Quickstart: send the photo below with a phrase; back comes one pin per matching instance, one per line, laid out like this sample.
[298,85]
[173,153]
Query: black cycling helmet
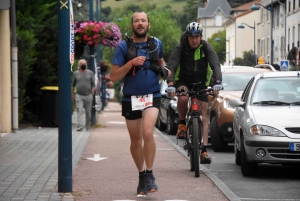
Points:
[194,28]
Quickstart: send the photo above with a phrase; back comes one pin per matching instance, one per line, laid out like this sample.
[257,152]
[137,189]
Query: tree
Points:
[220,45]
[247,59]
[38,39]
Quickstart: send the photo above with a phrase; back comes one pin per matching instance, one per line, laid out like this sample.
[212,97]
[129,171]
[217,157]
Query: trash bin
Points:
[49,110]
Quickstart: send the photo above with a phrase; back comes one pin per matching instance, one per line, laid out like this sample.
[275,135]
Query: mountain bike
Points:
[193,143]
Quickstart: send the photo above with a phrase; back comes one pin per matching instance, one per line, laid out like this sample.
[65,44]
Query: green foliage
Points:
[26,57]
[247,59]
[219,46]
[238,61]
[191,10]
[39,42]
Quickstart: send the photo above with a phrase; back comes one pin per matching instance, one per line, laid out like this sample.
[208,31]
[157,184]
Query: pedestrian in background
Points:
[84,81]
[138,60]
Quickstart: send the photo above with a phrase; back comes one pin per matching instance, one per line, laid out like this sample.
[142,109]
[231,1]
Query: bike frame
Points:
[194,126]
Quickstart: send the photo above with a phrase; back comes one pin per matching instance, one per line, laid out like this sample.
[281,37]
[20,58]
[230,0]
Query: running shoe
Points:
[142,187]
[151,185]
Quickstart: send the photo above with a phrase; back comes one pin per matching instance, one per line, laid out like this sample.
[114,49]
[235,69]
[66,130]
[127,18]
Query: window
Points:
[218,20]
[246,92]
[293,36]
[289,37]
[277,15]
[267,47]
[294,4]
[298,43]
[262,48]
[282,47]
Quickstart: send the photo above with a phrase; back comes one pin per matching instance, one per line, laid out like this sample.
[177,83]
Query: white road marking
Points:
[116,122]
[97,158]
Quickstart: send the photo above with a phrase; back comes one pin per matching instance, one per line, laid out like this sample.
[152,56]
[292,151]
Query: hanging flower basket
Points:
[97,33]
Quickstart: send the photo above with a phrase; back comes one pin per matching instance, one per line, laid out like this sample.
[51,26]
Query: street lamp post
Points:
[92,64]
[241,26]
[218,40]
[271,9]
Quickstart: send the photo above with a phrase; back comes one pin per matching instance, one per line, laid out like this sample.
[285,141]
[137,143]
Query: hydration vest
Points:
[151,47]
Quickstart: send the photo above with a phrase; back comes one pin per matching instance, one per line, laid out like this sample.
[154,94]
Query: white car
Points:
[266,121]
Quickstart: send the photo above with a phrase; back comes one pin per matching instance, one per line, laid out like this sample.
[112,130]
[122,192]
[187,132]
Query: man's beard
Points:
[141,35]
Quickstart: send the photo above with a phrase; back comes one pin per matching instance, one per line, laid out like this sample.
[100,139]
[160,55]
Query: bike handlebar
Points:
[193,92]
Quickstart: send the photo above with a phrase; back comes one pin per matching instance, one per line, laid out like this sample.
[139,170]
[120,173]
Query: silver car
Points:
[266,121]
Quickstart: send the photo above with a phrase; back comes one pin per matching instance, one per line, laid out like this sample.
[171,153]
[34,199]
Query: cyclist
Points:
[197,61]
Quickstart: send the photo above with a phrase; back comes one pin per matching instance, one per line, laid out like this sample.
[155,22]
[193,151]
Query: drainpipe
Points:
[14,55]
[285,53]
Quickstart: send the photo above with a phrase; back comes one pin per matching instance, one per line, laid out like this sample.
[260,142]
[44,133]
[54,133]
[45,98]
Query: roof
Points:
[212,7]
[282,74]
[245,7]
[242,69]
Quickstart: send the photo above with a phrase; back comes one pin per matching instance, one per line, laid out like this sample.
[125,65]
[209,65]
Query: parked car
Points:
[220,113]
[168,118]
[266,121]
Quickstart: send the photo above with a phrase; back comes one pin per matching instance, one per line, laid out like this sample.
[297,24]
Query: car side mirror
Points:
[234,102]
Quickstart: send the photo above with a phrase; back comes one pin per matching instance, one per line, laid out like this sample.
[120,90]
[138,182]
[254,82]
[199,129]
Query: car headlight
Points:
[266,131]
[226,105]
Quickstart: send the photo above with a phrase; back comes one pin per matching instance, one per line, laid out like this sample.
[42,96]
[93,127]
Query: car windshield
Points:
[236,81]
[277,91]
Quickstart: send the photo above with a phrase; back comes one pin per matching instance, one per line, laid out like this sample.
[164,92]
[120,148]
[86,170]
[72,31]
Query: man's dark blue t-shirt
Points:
[144,81]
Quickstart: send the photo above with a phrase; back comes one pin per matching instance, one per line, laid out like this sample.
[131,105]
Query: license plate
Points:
[295,146]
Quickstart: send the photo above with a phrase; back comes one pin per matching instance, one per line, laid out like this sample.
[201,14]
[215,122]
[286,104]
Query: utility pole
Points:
[65,42]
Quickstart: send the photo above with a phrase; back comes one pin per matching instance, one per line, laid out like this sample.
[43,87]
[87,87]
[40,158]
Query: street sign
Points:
[284,65]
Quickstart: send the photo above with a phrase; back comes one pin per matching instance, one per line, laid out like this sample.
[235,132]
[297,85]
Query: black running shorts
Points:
[137,114]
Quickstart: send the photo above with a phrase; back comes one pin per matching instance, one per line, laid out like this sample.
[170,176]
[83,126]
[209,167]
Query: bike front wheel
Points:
[196,145]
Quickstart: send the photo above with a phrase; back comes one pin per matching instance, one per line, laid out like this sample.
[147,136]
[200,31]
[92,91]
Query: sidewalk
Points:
[28,166]
[29,163]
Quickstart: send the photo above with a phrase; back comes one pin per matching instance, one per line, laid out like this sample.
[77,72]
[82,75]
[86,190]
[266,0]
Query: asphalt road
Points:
[272,182]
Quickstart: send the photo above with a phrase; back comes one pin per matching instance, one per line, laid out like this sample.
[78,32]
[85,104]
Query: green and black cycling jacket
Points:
[194,65]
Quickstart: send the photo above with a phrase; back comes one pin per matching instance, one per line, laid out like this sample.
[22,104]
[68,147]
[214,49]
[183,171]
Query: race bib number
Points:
[141,102]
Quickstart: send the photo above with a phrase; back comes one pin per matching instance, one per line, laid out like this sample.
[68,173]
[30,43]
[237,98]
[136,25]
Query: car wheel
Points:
[248,168]
[160,125]
[217,142]
[171,127]
[237,154]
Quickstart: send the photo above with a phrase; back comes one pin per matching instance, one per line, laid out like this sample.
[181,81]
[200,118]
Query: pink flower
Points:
[94,33]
